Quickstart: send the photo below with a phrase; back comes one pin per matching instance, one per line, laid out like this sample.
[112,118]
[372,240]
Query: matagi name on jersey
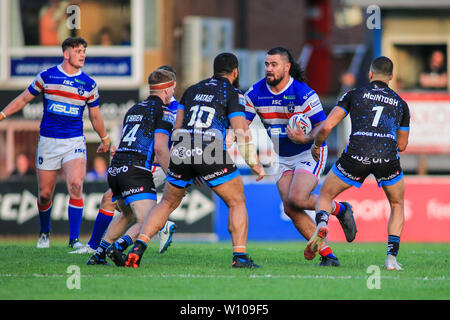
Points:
[380,98]
[204,97]
[134,118]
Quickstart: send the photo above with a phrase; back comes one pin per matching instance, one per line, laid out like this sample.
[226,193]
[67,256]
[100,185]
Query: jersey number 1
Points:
[378,111]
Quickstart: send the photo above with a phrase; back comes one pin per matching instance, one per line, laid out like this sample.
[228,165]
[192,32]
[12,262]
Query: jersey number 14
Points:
[130,137]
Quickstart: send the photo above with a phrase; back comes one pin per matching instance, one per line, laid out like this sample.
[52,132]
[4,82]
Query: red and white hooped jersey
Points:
[275,109]
[64,97]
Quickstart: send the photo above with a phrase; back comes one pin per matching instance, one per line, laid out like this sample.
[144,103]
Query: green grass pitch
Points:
[202,271]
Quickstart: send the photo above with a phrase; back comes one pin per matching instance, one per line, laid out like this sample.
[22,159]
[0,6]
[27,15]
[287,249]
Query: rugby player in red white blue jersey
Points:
[277,97]
[66,91]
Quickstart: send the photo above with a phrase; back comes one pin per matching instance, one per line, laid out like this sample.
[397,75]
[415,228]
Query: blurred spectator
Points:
[348,80]
[105,37]
[126,36]
[99,171]
[52,23]
[23,168]
[435,77]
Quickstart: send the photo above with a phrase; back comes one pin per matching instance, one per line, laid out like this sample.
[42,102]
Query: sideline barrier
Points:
[427,213]
[430,113]
[267,220]
[19,214]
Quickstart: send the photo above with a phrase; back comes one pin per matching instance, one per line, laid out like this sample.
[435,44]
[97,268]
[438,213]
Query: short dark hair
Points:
[296,70]
[225,63]
[382,65]
[73,42]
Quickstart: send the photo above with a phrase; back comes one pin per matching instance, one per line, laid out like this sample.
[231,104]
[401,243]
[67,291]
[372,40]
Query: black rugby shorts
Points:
[188,164]
[131,183]
[353,170]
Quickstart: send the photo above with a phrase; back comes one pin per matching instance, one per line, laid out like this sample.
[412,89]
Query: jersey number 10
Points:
[197,115]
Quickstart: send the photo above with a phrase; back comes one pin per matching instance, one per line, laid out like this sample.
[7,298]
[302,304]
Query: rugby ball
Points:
[300,120]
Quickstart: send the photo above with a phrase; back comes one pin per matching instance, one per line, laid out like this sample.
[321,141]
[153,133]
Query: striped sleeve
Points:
[93,99]
[37,86]
[313,109]
[250,111]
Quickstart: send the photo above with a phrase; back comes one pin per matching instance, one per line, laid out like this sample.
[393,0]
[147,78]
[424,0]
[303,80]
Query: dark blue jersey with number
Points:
[208,107]
[376,113]
[140,124]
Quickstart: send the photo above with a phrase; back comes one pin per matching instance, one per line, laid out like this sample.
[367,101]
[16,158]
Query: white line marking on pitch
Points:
[203,276]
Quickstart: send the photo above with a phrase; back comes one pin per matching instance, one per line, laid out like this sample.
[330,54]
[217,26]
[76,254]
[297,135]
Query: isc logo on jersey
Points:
[63,109]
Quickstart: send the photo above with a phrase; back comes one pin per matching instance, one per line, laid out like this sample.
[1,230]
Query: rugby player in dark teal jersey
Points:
[380,129]
[145,136]
[210,106]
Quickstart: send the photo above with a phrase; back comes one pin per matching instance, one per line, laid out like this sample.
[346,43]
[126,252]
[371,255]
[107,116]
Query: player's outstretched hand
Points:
[315,152]
[296,136]
[259,170]
[102,148]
